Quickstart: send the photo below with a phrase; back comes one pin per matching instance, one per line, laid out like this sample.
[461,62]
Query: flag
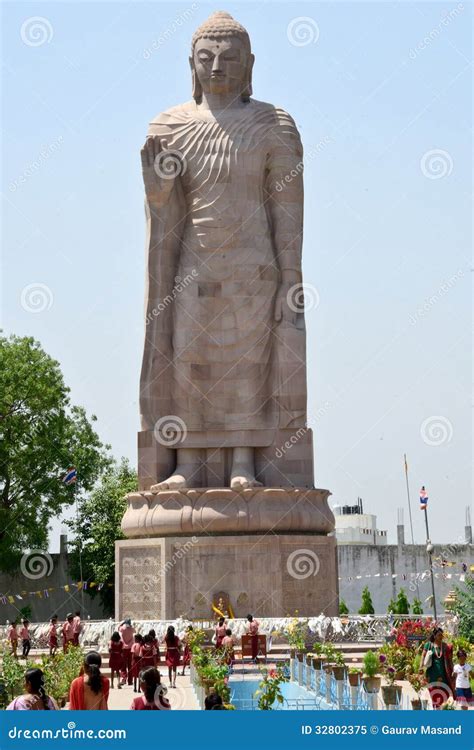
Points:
[71,476]
[423,498]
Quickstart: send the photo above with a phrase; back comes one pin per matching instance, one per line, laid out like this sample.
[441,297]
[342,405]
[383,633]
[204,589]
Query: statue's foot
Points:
[242,478]
[179,480]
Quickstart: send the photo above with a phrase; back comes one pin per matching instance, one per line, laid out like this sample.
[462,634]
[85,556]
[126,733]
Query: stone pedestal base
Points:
[270,575]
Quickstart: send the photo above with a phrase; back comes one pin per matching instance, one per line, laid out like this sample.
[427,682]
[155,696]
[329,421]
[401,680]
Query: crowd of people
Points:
[134,659]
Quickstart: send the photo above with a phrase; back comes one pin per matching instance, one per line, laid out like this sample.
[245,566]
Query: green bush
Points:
[371,664]
[367,608]
[343,608]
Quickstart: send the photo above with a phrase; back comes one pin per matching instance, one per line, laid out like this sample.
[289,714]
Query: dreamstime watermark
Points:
[302,31]
[179,285]
[177,555]
[170,430]
[36,564]
[302,563]
[36,31]
[430,302]
[436,431]
[301,432]
[169,164]
[36,298]
[45,154]
[436,164]
[302,297]
[170,30]
[439,563]
[433,35]
[298,169]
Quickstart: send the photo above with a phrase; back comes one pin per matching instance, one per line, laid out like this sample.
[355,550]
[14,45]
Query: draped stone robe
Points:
[211,351]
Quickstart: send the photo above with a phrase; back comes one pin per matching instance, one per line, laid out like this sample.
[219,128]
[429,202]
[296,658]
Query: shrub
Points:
[367,608]
[343,608]
[371,664]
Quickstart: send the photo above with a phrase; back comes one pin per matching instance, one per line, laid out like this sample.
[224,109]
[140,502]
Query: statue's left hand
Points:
[283,301]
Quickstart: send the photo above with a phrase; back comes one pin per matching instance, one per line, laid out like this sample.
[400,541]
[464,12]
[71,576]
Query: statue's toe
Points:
[159,487]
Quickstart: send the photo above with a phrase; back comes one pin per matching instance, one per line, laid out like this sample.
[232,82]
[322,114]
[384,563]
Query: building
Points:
[353,526]
[366,559]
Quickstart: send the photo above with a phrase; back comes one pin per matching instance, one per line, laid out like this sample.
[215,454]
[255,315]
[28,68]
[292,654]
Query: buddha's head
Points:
[221,60]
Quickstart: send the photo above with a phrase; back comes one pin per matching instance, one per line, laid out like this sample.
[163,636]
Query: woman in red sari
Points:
[440,670]
[90,691]
[220,631]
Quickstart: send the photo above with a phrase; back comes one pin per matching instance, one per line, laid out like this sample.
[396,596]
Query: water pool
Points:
[296,697]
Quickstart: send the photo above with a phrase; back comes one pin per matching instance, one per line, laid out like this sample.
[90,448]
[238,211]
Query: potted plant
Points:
[355,676]
[417,681]
[371,678]
[329,653]
[269,690]
[316,656]
[391,693]
[339,667]
[296,634]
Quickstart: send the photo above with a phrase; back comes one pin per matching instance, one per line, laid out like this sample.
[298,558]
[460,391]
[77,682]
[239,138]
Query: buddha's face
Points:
[221,65]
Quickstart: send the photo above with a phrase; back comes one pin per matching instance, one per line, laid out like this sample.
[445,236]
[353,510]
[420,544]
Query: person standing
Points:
[76,628]
[68,632]
[34,697]
[53,636]
[461,673]
[127,633]
[219,631]
[116,659]
[12,635]
[136,661]
[187,651]
[252,630]
[153,698]
[90,691]
[25,638]
[173,647]
[438,665]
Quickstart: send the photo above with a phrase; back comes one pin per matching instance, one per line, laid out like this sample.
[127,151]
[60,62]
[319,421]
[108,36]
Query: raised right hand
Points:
[160,169]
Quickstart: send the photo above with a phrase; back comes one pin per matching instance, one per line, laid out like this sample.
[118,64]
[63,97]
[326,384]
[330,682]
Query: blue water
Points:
[296,697]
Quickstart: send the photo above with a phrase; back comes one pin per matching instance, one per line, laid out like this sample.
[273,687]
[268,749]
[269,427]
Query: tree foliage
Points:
[343,608]
[367,608]
[464,608]
[96,527]
[417,608]
[403,606]
[41,436]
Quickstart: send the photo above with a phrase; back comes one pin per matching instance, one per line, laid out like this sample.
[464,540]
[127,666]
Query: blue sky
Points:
[381,93]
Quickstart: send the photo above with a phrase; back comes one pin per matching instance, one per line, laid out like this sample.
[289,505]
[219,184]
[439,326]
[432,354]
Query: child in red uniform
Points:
[25,638]
[187,650]
[147,652]
[12,635]
[136,661]
[156,646]
[115,658]
[153,698]
[173,646]
[53,636]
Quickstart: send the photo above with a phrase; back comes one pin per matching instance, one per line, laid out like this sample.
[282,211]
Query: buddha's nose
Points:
[216,65]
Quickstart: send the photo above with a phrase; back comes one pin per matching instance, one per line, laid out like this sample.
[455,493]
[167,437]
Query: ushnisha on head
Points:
[221,59]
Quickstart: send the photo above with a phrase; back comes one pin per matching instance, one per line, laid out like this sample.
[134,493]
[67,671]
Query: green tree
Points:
[343,608]
[417,608]
[96,527]
[392,607]
[464,608]
[367,608]
[403,606]
[41,436]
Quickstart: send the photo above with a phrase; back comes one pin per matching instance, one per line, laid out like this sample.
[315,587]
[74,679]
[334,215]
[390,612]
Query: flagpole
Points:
[429,549]
[411,525]
[80,555]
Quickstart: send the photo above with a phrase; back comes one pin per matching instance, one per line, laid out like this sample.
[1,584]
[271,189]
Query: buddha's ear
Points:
[247,89]
[197,89]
